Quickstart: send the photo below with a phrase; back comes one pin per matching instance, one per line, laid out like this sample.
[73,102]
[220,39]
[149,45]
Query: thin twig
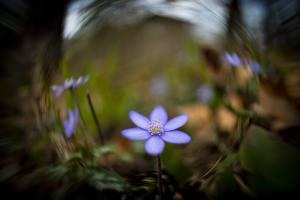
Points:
[95,118]
[244,186]
[106,160]
[213,167]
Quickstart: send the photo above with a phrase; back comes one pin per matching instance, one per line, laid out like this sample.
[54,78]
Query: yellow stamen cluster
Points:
[156,127]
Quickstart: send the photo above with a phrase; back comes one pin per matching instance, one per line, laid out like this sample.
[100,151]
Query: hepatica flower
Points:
[255,67]
[159,87]
[71,123]
[205,93]
[69,84]
[233,59]
[157,130]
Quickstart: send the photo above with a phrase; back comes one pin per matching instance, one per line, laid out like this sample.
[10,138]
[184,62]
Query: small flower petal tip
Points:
[233,60]
[71,123]
[255,67]
[69,83]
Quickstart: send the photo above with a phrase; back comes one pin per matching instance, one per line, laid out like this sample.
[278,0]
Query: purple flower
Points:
[255,67]
[71,123]
[233,60]
[157,130]
[58,90]
[159,87]
[205,93]
[68,84]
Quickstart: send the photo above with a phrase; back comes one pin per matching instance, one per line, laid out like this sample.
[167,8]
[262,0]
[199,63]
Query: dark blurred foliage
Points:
[262,164]
[31,46]
[282,27]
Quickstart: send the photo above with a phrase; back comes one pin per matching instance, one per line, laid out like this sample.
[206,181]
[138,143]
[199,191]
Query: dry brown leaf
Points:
[274,103]
[243,75]
[199,115]
[226,120]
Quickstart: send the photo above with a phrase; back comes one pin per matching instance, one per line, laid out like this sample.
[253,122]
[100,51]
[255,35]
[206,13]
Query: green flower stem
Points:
[81,116]
[159,177]
[245,114]
[78,107]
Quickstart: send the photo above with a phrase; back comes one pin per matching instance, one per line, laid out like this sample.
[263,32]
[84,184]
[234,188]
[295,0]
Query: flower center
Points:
[156,127]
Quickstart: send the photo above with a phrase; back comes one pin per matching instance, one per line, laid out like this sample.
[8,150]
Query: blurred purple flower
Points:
[58,90]
[158,87]
[71,123]
[69,83]
[255,67]
[157,130]
[233,60]
[205,93]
